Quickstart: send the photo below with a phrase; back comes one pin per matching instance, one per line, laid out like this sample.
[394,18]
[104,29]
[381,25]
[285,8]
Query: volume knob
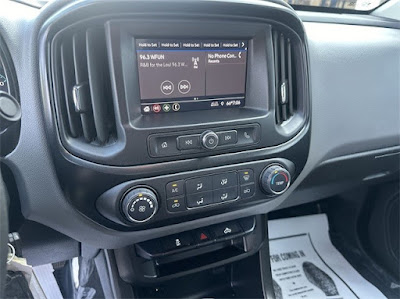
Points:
[275,180]
[209,140]
[139,205]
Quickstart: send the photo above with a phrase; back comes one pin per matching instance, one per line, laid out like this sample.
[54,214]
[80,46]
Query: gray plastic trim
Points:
[373,20]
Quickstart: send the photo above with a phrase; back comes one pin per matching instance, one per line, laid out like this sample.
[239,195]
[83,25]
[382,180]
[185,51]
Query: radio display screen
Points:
[187,75]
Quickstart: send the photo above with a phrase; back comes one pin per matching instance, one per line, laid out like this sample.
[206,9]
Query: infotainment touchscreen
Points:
[187,75]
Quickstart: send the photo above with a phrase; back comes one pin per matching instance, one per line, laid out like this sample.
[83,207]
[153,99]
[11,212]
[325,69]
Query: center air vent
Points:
[285,77]
[82,86]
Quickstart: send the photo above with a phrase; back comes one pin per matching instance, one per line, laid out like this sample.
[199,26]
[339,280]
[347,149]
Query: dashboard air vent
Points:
[82,86]
[285,77]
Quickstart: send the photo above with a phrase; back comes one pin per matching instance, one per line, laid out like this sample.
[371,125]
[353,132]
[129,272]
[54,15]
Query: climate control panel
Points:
[209,190]
[166,199]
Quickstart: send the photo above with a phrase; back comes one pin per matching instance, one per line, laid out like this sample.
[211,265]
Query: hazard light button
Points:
[202,236]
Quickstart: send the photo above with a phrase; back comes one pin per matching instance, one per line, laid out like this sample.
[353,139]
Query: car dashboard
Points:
[142,119]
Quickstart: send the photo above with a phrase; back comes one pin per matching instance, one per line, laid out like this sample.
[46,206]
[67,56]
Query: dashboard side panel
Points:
[355,77]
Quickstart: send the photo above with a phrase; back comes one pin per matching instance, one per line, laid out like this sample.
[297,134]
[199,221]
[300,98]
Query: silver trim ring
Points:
[204,139]
[270,178]
[145,191]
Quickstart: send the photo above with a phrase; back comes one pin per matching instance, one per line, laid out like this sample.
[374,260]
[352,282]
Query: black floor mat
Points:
[343,221]
[364,265]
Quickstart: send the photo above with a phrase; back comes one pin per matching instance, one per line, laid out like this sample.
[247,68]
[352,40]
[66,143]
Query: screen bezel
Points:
[190,103]
[135,128]
[259,87]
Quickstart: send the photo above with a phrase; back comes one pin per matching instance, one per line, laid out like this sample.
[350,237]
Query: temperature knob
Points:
[275,180]
[139,205]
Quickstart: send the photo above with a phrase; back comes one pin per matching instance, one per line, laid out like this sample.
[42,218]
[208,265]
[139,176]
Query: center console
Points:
[195,104]
[166,115]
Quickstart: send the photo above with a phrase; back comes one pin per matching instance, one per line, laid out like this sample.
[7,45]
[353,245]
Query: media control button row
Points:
[209,140]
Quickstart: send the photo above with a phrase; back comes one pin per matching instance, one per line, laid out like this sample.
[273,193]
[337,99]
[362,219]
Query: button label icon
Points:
[195,61]
[224,182]
[199,186]
[176,107]
[176,205]
[201,201]
[167,87]
[166,107]
[203,236]
[178,242]
[246,176]
[156,108]
[227,230]
[184,86]
[164,144]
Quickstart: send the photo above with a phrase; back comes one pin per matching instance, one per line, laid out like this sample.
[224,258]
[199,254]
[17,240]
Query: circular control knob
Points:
[139,205]
[209,140]
[275,179]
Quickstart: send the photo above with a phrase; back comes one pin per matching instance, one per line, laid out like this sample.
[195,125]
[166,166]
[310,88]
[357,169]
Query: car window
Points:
[338,5]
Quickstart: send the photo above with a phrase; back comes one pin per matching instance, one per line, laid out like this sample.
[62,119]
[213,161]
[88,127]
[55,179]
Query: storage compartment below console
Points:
[179,255]
[242,279]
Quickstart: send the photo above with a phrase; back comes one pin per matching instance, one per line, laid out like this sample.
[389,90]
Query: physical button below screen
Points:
[163,146]
[198,185]
[177,241]
[202,235]
[226,229]
[188,142]
[175,188]
[247,191]
[226,194]
[227,137]
[246,176]
[176,204]
[247,135]
[225,180]
[199,199]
